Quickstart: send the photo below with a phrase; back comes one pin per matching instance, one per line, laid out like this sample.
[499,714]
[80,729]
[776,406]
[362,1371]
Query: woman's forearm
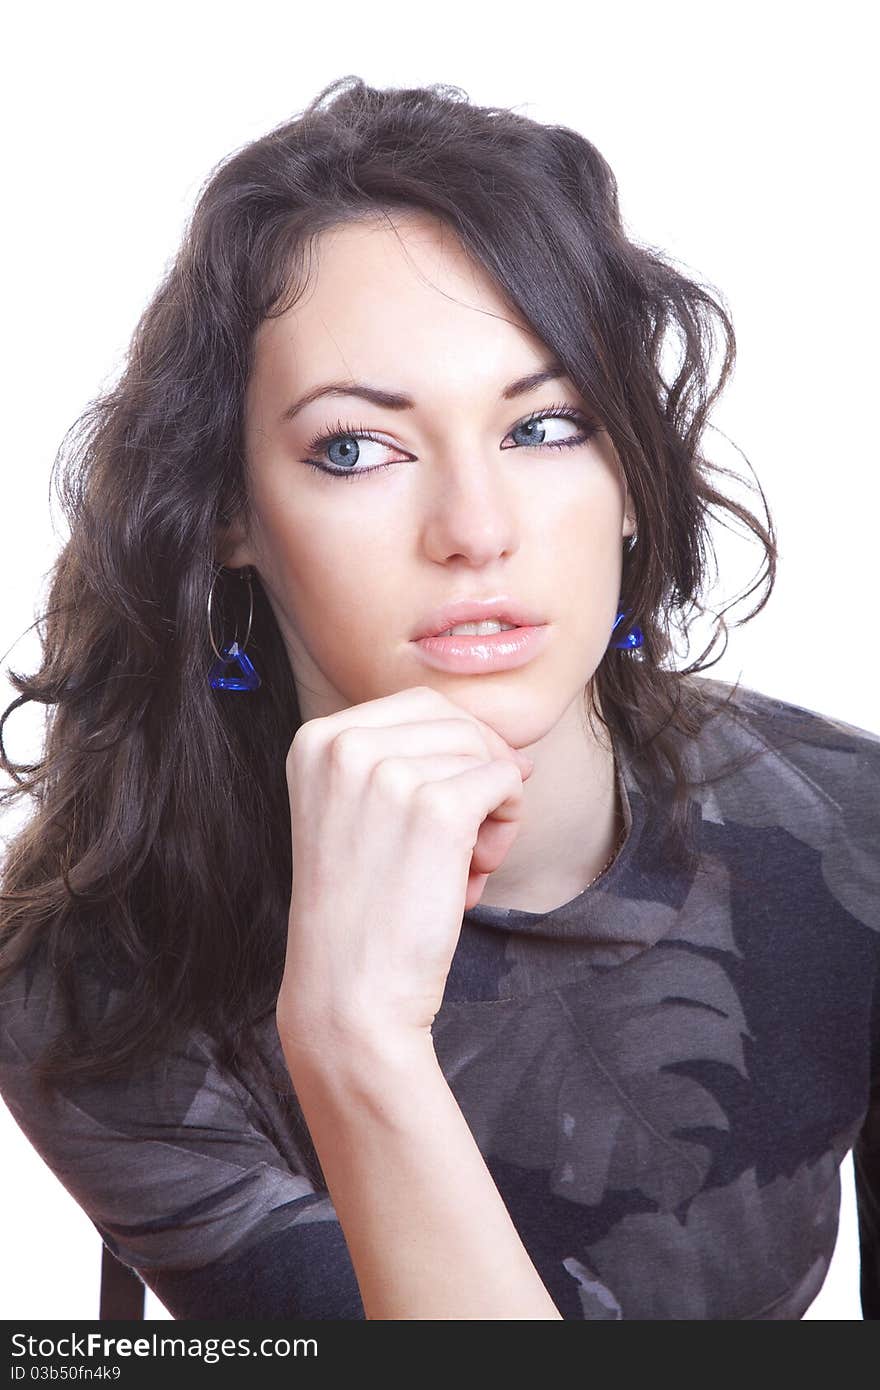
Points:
[427,1231]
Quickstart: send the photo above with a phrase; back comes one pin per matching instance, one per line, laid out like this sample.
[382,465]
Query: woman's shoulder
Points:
[44,1011]
[816,741]
[30,1007]
[35,997]
[784,715]
[806,779]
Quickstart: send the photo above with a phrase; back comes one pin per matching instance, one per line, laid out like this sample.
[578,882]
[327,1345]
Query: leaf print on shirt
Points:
[584,1082]
[597,1301]
[768,1243]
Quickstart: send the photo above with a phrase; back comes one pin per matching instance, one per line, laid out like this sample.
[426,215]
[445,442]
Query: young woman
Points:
[349,969]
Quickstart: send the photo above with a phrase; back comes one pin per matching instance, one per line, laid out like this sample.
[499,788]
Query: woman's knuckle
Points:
[344,748]
[388,777]
[437,808]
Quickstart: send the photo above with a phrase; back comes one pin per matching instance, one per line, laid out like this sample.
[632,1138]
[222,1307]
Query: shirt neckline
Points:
[567,919]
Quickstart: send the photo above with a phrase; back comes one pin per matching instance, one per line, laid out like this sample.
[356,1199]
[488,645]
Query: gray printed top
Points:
[664,1074]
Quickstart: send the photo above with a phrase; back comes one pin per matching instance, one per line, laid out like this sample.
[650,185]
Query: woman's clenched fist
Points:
[401,807]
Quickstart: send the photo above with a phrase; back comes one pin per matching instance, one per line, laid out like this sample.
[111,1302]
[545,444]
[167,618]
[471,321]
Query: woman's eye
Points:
[346,451]
[343,453]
[542,430]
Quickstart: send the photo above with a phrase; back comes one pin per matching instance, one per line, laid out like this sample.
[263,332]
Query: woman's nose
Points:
[472,511]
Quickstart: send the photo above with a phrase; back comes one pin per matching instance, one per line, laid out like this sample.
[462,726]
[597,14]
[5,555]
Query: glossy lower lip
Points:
[494,651]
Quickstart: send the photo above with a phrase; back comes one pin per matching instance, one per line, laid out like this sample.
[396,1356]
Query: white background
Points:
[744,143]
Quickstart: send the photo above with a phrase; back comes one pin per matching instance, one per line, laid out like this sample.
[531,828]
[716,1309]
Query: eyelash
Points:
[342,429]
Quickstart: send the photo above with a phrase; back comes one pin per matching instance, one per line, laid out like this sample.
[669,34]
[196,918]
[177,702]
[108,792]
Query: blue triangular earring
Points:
[229,652]
[634,637]
[248,680]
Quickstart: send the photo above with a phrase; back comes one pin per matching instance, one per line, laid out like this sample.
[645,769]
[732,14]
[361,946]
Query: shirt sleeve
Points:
[179,1180]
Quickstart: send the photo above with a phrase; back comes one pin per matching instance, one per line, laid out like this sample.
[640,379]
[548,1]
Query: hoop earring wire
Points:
[634,637]
[232,652]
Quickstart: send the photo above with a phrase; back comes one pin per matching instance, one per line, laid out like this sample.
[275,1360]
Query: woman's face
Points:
[354,565]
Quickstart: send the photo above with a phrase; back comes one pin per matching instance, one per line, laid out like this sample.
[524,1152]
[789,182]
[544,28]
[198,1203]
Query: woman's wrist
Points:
[352,1052]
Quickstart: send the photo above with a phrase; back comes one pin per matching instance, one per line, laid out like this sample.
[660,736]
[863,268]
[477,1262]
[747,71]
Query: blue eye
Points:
[588,429]
[344,433]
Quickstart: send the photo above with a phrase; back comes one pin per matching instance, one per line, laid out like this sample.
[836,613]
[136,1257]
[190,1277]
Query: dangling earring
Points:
[634,637]
[248,680]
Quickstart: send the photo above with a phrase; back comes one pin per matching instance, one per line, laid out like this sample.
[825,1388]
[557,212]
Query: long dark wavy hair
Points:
[159,849]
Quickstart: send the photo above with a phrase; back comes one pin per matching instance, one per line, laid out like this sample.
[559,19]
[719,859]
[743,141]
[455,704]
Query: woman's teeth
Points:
[477,629]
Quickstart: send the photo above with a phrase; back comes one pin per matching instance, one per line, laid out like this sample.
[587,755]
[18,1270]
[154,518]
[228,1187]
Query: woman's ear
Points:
[232,546]
[629,515]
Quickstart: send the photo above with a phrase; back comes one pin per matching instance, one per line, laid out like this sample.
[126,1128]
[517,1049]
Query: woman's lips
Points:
[468,654]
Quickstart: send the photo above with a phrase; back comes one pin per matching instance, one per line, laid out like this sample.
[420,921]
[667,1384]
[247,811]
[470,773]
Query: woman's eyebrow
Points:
[392,400]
